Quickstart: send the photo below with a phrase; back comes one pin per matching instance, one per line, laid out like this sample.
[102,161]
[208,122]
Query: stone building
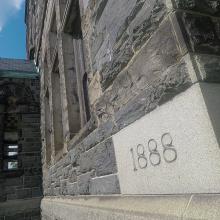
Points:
[130,107]
[20,142]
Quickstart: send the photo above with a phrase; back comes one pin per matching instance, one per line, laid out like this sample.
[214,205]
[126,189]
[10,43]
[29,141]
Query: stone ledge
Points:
[184,207]
[19,206]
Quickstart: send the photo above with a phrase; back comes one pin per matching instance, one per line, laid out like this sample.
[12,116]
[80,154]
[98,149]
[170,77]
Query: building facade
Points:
[20,141]
[129,107]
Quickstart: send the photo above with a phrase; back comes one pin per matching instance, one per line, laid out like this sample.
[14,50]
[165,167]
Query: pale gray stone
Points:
[175,148]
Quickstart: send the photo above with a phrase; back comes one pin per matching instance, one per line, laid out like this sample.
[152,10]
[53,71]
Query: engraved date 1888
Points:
[144,155]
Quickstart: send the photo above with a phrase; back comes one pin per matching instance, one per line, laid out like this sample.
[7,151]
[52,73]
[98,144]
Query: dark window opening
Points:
[53,36]
[11,150]
[73,21]
[57,109]
[62,4]
[73,32]
[86,96]
[47,112]
[10,138]
[32,53]
[10,157]
[10,165]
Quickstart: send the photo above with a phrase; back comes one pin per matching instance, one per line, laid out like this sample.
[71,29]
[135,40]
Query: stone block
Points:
[72,189]
[118,207]
[203,207]
[104,131]
[14,181]
[16,216]
[36,192]
[104,185]
[112,46]
[63,187]
[23,193]
[174,80]
[211,7]
[147,68]
[66,172]
[72,175]
[200,32]
[11,136]
[86,161]
[104,158]
[67,160]
[175,148]
[11,197]
[101,158]
[32,181]
[83,183]
[209,67]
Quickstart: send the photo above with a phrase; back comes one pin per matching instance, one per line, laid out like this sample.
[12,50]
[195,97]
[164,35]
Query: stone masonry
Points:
[20,186]
[104,65]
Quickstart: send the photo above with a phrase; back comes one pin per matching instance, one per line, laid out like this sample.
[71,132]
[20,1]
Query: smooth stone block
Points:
[175,148]
[169,207]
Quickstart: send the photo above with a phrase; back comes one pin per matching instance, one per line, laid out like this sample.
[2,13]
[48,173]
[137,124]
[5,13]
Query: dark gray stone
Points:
[173,81]
[67,160]
[137,27]
[72,175]
[14,181]
[18,216]
[104,158]
[101,158]
[83,183]
[72,189]
[63,187]
[86,161]
[66,172]
[23,193]
[211,7]
[134,22]
[36,192]
[201,32]
[32,181]
[150,64]
[209,67]
[104,185]
[105,130]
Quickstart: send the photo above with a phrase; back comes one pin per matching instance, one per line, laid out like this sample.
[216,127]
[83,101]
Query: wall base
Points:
[184,207]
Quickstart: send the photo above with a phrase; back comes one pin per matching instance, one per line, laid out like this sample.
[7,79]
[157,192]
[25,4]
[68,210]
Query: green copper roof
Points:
[15,68]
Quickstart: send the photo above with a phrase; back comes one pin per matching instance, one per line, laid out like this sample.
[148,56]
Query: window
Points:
[72,32]
[57,110]
[10,157]
[47,113]
[11,150]
[86,96]
[53,36]
[62,4]
[66,100]
[10,140]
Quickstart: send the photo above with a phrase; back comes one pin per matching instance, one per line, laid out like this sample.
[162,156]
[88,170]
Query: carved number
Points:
[142,159]
[154,157]
[169,152]
[133,158]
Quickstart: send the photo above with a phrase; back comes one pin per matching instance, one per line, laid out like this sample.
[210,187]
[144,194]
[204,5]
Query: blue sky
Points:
[12,29]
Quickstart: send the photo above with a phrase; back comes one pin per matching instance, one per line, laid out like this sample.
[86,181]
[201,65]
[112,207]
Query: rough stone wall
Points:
[34,18]
[21,189]
[138,55]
